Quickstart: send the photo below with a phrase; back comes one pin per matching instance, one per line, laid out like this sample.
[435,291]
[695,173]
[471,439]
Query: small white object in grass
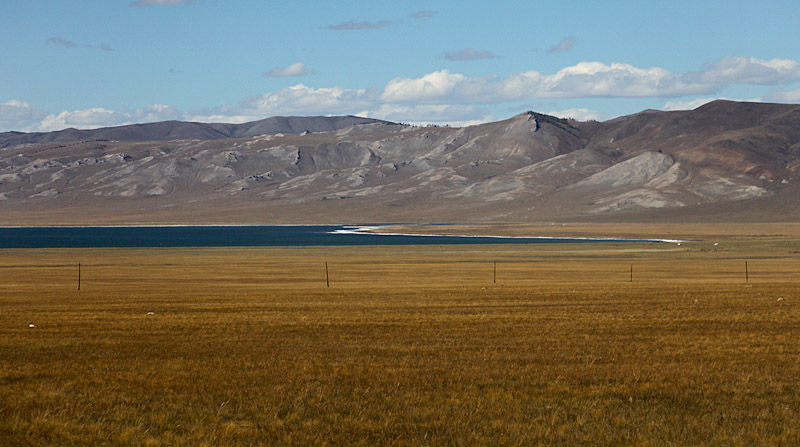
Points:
[31,325]
[780,299]
[151,313]
[716,243]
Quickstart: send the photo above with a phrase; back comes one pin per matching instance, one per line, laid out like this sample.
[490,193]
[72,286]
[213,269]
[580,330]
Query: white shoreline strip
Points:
[370,231]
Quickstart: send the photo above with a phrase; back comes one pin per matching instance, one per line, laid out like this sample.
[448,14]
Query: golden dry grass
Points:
[409,345]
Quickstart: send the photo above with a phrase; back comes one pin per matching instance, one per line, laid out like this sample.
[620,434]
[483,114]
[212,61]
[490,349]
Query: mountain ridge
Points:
[724,161]
[186,130]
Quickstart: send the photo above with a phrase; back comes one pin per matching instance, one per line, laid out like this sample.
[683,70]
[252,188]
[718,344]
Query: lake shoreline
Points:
[257,235]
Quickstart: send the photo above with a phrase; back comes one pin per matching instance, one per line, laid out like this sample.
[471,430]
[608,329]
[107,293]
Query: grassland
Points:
[408,345]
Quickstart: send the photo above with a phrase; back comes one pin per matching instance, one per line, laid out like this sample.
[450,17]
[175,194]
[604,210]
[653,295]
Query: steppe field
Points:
[622,344]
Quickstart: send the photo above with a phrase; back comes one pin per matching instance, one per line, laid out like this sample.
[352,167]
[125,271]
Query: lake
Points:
[238,236]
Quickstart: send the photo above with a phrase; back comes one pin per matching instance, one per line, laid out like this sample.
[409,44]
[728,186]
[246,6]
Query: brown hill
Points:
[725,161]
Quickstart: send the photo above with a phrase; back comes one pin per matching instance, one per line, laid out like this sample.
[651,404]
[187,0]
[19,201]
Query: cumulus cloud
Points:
[422,14]
[467,54]
[782,95]
[566,44]
[432,87]
[155,112]
[296,69]
[18,115]
[585,79]
[595,79]
[456,115]
[61,42]
[688,105]
[81,119]
[295,100]
[144,3]
[697,102]
[350,25]
[747,70]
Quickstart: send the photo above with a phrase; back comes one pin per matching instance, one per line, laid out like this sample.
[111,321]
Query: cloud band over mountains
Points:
[442,96]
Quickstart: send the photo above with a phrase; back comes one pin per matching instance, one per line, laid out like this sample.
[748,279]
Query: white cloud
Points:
[156,112]
[18,115]
[431,87]
[580,114]
[782,95]
[296,69]
[30,120]
[80,119]
[295,100]
[300,98]
[688,105]
[595,79]
[695,103]
[456,115]
[747,70]
[585,79]
[144,3]
[590,79]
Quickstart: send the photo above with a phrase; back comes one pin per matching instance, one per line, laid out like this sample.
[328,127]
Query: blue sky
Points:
[97,63]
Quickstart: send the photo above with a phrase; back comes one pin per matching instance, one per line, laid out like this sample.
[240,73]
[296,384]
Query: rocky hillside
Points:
[725,161]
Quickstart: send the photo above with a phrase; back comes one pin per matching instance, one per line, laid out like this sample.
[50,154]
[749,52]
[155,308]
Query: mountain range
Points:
[722,162]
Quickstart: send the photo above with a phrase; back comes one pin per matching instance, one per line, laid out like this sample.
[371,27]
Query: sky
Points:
[99,63]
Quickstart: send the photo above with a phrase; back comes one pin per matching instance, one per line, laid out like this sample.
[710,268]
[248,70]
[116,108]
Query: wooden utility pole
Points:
[746,273]
[79,277]
[327,278]
[631,272]
[494,278]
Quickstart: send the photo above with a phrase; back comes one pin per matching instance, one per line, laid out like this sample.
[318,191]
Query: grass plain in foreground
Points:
[409,345]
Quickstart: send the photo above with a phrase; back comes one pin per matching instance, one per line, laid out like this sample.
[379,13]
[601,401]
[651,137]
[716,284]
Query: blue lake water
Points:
[234,236]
